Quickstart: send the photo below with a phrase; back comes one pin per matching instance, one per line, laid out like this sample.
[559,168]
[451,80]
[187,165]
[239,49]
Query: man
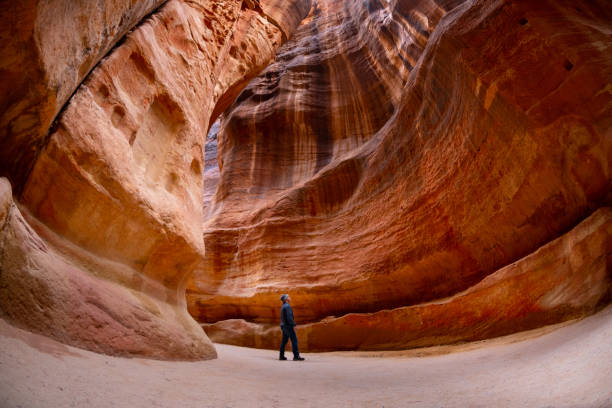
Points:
[287,327]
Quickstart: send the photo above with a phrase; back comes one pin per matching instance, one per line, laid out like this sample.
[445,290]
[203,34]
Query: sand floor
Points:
[570,366]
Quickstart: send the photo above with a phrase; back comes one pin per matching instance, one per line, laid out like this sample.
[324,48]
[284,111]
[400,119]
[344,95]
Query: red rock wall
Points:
[413,172]
[52,286]
[565,278]
[330,89]
[47,49]
[359,178]
[129,145]
[116,194]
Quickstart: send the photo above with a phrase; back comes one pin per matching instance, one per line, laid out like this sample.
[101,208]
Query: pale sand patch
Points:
[568,367]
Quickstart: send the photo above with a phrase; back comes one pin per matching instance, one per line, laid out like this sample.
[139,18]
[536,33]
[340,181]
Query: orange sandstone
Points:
[47,48]
[360,178]
[115,196]
[564,279]
[413,172]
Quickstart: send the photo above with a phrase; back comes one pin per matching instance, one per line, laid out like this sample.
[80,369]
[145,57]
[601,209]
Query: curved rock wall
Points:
[413,172]
[566,278]
[361,178]
[116,194]
[285,140]
[47,49]
[51,286]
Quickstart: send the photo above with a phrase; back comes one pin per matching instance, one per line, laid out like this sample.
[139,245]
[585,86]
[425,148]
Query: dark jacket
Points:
[287,315]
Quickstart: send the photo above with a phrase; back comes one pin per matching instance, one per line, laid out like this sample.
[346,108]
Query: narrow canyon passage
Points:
[570,367]
[415,173]
[429,180]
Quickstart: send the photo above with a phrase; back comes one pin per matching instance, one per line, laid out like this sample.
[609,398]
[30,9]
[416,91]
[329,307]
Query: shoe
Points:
[282,358]
[298,358]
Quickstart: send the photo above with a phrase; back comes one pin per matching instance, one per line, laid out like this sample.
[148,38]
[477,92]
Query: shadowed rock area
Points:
[413,172]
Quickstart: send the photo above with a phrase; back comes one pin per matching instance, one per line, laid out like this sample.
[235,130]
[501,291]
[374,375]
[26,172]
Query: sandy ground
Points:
[567,367]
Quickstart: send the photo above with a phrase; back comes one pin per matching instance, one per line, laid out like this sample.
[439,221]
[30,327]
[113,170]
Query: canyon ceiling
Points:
[412,172]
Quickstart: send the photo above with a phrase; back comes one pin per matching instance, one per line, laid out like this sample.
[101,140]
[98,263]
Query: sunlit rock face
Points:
[115,196]
[394,155]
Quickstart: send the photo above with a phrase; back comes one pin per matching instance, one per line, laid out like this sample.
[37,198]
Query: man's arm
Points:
[290,320]
[283,316]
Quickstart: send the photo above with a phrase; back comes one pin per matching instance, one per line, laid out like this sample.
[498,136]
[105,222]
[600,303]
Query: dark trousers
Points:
[289,333]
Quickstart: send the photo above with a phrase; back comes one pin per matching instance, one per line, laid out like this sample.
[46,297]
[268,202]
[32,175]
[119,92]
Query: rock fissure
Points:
[54,120]
[256,5]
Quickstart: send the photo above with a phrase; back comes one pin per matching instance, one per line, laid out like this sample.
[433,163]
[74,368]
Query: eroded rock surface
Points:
[413,172]
[47,48]
[566,278]
[433,146]
[52,286]
[117,191]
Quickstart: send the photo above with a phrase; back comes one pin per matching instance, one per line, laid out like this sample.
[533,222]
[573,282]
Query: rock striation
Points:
[564,279]
[399,153]
[413,172]
[47,49]
[116,193]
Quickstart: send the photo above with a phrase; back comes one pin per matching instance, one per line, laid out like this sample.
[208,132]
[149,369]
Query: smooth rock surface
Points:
[117,190]
[53,287]
[567,278]
[359,181]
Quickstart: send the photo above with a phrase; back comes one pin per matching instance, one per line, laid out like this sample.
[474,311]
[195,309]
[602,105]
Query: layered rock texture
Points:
[566,278]
[111,222]
[415,173]
[412,172]
[47,49]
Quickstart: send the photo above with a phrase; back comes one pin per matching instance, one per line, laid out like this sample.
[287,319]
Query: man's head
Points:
[285,298]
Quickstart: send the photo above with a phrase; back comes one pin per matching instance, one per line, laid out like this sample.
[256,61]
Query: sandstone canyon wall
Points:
[108,225]
[47,49]
[415,173]
[564,279]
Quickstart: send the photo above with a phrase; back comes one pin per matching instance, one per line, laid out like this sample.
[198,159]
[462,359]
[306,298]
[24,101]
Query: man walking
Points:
[287,326]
